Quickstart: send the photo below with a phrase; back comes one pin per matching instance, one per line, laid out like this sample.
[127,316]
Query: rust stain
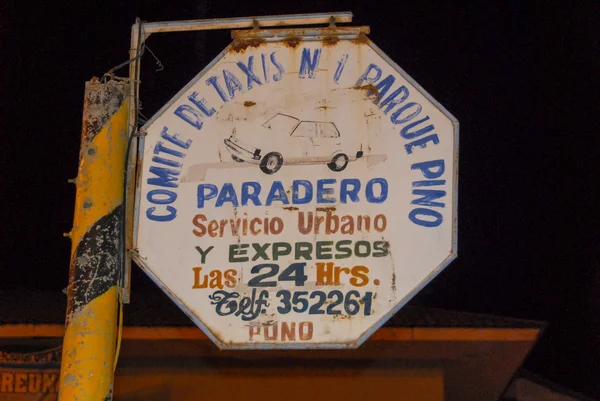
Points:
[370,89]
[323,107]
[290,208]
[394,281]
[249,103]
[138,171]
[326,209]
[362,38]
[240,45]
[331,40]
[292,41]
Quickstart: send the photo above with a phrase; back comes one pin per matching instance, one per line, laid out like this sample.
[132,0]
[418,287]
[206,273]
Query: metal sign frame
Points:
[311,35]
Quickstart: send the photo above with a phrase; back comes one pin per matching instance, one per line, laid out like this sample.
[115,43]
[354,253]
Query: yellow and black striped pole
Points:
[93,294]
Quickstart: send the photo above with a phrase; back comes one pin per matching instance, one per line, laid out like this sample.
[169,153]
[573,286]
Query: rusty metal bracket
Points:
[274,35]
[332,22]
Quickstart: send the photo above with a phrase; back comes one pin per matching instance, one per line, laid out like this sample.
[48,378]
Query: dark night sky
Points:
[522,78]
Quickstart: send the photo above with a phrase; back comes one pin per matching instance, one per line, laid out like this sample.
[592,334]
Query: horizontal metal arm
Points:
[300,32]
[244,22]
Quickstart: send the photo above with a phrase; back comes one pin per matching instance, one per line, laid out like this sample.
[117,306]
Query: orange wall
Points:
[374,382]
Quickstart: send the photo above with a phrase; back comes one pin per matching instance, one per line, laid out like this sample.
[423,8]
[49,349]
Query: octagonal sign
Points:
[298,191]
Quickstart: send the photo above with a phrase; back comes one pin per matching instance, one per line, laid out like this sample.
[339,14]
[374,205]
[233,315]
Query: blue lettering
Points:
[233,84]
[165,217]
[201,104]
[395,117]
[428,183]
[308,192]
[421,143]
[155,196]
[167,162]
[340,68]
[416,216]
[308,64]
[390,102]
[277,193]
[251,196]
[206,192]
[227,194]
[421,131]
[323,193]
[383,87]
[428,196]
[280,70]
[265,67]
[428,166]
[214,82]
[189,115]
[370,195]
[345,192]
[166,177]
[365,78]
[248,71]
[159,147]
[174,139]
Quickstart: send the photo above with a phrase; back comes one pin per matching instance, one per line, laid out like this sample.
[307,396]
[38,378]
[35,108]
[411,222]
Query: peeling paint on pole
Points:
[298,191]
[89,343]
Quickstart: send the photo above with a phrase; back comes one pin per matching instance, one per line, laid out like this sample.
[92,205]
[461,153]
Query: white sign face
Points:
[297,194]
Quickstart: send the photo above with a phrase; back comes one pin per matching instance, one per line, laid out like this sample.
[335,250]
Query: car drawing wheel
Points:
[338,163]
[271,163]
[237,159]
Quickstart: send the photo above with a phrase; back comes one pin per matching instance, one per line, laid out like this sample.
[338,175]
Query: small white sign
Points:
[297,194]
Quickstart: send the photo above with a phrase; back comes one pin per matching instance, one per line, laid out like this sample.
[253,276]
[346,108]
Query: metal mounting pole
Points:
[91,324]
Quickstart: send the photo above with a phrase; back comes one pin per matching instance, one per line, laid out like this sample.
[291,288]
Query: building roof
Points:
[533,386]
[156,309]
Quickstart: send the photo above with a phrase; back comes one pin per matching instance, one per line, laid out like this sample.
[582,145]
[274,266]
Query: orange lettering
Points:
[305,227]
[230,278]
[20,382]
[380,223]
[253,331]
[347,225]
[7,382]
[49,385]
[216,279]
[332,223]
[197,223]
[318,221]
[198,277]
[253,223]
[324,273]
[270,337]
[213,226]
[306,331]
[338,272]
[35,383]
[288,332]
[359,273]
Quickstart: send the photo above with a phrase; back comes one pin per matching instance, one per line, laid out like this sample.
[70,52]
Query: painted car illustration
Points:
[284,139]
